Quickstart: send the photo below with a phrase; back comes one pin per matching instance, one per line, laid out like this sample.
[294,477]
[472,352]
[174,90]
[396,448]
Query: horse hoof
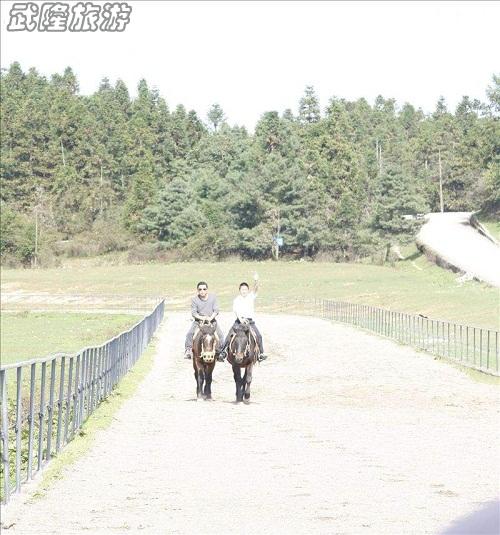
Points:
[247,396]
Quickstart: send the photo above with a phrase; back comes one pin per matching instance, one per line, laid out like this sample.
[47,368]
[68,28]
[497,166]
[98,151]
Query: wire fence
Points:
[473,347]
[44,402]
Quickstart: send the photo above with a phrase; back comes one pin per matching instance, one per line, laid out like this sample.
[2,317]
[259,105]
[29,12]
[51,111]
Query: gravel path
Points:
[360,435]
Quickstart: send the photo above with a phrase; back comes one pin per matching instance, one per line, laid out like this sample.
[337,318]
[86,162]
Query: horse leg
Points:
[200,379]
[248,380]
[237,380]
[208,382]
[197,386]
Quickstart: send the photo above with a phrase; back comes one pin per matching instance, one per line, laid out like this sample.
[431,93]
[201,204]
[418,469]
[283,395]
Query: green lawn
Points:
[414,285]
[27,335]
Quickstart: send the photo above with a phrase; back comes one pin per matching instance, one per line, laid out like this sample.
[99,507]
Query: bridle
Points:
[207,356]
[246,353]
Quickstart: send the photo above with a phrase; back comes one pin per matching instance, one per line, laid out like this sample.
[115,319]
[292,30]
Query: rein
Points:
[247,347]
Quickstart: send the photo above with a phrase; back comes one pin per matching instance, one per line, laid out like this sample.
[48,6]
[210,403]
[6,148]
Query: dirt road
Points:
[347,434]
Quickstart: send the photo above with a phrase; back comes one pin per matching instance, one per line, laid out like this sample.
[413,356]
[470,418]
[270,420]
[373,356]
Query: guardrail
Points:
[48,408]
[473,347]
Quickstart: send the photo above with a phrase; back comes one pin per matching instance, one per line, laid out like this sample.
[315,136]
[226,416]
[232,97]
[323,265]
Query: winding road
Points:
[453,238]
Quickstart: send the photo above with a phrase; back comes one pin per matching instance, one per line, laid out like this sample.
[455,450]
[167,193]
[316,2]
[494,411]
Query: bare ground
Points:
[356,435]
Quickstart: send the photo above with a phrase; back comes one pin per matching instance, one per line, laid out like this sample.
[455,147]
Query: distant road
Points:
[458,240]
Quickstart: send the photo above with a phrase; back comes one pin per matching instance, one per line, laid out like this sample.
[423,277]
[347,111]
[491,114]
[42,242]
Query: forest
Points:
[83,175]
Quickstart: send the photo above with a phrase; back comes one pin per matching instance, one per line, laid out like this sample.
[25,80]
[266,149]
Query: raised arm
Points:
[255,283]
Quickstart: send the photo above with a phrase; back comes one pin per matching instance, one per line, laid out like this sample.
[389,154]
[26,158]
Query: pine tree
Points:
[395,198]
[309,111]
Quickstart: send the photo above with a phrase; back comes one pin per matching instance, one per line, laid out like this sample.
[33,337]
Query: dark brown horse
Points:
[242,355]
[204,344]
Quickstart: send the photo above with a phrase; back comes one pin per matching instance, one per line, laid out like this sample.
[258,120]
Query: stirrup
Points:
[188,354]
[261,357]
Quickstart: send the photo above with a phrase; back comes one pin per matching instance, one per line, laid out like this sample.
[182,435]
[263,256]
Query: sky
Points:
[253,57]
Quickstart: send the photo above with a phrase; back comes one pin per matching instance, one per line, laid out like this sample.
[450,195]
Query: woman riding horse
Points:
[244,308]
[242,355]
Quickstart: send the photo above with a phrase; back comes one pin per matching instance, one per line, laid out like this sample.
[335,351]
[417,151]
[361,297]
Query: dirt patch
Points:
[346,433]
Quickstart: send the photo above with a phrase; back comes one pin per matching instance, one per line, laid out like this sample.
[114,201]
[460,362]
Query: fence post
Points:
[76,394]
[5,436]
[488,352]
[50,408]
[41,415]
[467,343]
[60,404]
[496,351]
[18,428]
[480,348]
[69,398]
[31,420]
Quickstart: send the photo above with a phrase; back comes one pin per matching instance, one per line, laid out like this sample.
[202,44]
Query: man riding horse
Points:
[204,308]
[244,308]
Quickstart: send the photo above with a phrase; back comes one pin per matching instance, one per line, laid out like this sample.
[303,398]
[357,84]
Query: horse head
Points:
[240,344]
[208,342]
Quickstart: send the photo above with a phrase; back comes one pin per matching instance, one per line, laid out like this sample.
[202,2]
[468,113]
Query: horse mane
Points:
[207,329]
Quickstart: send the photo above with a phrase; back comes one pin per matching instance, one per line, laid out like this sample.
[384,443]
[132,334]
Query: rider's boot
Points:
[261,357]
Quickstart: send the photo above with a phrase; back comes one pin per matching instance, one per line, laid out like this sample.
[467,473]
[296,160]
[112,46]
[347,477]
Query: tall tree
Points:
[309,111]
[215,116]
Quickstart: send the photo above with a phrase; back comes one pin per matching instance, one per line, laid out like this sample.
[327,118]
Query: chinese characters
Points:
[60,17]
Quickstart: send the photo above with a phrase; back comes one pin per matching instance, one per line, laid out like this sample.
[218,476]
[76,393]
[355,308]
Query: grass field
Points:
[413,285]
[35,334]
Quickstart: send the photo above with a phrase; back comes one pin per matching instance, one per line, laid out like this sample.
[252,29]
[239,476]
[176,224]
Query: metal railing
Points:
[44,402]
[473,347]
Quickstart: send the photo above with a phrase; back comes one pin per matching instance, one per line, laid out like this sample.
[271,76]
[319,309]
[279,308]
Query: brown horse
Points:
[204,344]
[242,355]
